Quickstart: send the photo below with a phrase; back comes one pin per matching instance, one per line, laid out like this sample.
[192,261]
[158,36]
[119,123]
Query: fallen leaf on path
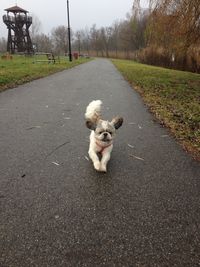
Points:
[56,163]
[130,146]
[133,156]
[37,126]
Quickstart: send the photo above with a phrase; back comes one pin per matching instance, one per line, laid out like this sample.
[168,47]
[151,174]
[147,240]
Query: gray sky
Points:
[82,12]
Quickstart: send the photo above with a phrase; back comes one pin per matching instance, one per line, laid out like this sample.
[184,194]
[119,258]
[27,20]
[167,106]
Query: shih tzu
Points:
[102,135]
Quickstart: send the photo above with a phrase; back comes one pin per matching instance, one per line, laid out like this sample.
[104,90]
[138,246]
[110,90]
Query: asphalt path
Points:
[56,210]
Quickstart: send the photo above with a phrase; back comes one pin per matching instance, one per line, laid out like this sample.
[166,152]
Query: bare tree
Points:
[43,43]
[3,45]
[78,41]
[36,26]
[115,37]
[94,39]
[172,34]
[60,40]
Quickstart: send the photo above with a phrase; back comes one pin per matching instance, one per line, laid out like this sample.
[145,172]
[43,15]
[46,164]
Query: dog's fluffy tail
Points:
[93,111]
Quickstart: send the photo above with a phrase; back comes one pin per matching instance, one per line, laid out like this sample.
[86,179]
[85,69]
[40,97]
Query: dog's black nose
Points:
[105,134]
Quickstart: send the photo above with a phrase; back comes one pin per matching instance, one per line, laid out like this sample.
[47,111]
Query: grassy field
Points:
[173,96]
[22,69]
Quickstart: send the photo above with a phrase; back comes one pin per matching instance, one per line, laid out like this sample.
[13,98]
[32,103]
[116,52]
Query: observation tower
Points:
[18,24]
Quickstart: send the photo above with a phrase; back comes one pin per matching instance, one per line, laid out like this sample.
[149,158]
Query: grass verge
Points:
[23,69]
[173,96]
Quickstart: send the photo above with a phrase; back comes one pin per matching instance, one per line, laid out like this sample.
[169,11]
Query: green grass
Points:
[173,96]
[22,69]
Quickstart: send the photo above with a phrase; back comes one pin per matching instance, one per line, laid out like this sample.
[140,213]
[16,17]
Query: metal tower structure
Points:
[18,24]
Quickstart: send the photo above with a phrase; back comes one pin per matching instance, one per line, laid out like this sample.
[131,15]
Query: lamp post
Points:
[69,33]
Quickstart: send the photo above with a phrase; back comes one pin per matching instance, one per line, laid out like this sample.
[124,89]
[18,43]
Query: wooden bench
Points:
[50,58]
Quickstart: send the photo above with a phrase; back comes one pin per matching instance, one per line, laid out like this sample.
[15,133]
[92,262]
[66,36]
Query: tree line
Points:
[167,33]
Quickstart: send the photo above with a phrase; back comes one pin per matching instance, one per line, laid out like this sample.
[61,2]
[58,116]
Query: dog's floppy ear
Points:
[117,122]
[91,125]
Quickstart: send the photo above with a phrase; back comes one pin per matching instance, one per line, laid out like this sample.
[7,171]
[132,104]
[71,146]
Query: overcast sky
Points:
[83,13]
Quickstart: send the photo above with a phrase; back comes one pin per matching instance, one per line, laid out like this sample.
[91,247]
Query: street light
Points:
[69,33]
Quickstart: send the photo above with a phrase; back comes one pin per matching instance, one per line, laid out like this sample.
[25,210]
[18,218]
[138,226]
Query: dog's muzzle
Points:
[105,137]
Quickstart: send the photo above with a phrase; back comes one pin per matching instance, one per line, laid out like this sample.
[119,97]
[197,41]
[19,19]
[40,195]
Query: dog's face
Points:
[105,130]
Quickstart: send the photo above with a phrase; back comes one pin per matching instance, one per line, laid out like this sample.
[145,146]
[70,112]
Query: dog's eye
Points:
[101,132]
[110,132]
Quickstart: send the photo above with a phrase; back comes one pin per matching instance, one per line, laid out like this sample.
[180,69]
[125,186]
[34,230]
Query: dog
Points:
[102,135]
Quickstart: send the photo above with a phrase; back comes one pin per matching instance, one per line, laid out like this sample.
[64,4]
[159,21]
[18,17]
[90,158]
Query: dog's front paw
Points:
[97,165]
[103,168]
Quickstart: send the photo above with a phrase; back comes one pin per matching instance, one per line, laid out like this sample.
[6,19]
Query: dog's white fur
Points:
[102,135]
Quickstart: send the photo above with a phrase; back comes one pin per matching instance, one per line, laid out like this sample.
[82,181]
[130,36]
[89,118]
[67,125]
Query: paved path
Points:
[57,211]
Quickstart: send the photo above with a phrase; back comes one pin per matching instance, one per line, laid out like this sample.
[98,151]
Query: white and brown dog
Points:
[102,135]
